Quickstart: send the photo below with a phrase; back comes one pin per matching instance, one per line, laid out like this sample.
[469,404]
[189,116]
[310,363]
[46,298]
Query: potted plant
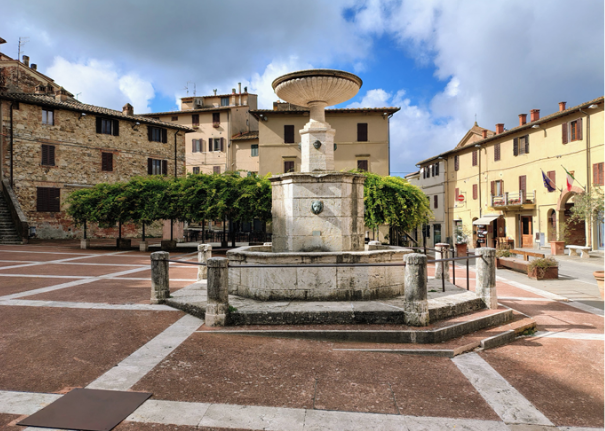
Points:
[543,269]
[500,254]
[598,275]
[461,238]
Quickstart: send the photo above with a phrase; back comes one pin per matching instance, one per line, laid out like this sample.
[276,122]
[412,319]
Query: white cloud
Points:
[100,83]
[373,99]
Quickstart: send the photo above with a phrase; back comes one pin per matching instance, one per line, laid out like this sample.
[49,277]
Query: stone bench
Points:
[513,263]
[573,250]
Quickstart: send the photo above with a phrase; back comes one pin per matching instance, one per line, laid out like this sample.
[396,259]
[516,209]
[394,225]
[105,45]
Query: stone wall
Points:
[78,151]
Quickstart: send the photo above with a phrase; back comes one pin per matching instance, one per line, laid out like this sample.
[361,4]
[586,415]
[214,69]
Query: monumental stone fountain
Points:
[318,215]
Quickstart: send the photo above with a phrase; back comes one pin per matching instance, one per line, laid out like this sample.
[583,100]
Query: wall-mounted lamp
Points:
[264,117]
[593,106]
[134,126]
[535,126]
[82,114]
[477,146]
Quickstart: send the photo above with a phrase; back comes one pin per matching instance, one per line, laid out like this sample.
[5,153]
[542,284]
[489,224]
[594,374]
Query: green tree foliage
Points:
[394,201]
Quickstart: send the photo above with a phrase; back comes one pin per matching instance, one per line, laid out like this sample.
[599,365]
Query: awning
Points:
[486,219]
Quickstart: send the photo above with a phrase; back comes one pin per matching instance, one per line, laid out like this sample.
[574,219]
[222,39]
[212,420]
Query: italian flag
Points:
[570,179]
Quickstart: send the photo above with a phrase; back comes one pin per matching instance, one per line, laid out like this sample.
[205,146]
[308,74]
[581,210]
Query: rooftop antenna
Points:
[194,90]
[22,42]
[187,87]
[78,95]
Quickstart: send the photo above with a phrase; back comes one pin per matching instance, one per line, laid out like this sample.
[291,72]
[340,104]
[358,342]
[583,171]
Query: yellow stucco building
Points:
[494,186]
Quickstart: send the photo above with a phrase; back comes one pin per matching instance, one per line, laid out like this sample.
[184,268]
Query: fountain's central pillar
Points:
[317,142]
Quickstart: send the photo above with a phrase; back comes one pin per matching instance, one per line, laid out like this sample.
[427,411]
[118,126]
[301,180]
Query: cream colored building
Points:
[225,131]
[496,181]
[361,140]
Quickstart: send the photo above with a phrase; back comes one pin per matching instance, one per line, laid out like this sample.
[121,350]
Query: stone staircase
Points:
[8,233]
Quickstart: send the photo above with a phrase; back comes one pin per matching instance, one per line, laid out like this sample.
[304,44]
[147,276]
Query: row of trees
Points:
[229,196]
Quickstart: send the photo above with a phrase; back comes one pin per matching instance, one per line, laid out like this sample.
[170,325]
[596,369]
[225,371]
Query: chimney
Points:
[26,60]
[61,95]
[484,131]
[562,106]
[522,119]
[534,114]
[239,86]
[214,91]
[40,89]
[128,109]
[499,128]
[34,67]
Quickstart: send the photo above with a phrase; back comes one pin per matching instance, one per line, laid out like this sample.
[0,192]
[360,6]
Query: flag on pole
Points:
[570,179]
[548,183]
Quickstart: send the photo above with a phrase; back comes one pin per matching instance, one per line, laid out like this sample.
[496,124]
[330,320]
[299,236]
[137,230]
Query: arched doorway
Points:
[572,233]
[551,227]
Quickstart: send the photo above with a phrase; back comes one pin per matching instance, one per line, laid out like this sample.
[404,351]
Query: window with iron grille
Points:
[362,132]
[216,169]
[362,165]
[48,199]
[196,170]
[48,116]
[254,150]
[157,167]
[107,126]
[288,134]
[48,155]
[288,166]
[107,162]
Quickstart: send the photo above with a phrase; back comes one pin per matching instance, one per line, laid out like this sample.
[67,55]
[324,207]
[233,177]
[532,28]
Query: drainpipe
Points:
[588,179]
[389,140]
[175,161]
[12,146]
[479,182]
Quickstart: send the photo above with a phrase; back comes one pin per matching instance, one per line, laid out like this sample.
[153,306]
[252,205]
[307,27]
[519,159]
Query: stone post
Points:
[442,269]
[160,287]
[204,252]
[486,276]
[85,244]
[415,307]
[218,291]
[144,246]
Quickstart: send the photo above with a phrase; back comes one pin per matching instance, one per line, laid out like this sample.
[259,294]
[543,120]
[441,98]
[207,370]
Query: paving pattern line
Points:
[569,335]
[70,283]
[503,398]
[47,276]
[531,289]
[53,262]
[520,298]
[587,308]
[132,369]
[85,305]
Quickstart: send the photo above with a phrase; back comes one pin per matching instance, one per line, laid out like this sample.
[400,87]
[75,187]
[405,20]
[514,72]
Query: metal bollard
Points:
[217,306]
[160,286]
[204,252]
[486,276]
[415,307]
[442,269]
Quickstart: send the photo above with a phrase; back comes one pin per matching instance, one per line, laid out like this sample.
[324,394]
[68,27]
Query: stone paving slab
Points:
[188,273]
[49,349]
[59,269]
[16,284]
[562,378]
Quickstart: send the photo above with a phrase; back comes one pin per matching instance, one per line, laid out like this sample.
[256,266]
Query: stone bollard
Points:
[442,269]
[415,307]
[85,244]
[486,276]
[218,291]
[204,252]
[144,246]
[160,287]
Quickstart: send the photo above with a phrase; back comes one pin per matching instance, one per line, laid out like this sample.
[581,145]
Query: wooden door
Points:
[527,238]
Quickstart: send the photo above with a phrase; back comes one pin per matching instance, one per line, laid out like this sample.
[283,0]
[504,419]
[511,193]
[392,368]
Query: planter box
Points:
[123,244]
[551,273]
[557,248]
[461,250]
[598,275]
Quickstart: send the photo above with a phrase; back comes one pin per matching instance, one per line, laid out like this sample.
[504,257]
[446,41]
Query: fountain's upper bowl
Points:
[317,85]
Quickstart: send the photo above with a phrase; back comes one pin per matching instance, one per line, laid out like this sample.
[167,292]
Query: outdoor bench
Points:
[517,264]
[573,251]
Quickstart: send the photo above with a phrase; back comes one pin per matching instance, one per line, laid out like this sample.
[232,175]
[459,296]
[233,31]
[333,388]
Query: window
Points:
[362,165]
[216,144]
[497,152]
[195,119]
[196,170]
[216,119]
[362,132]
[436,173]
[216,169]
[157,167]
[475,191]
[552,176]
[497,188]
[435,202]
[107,162]
[436,233]
[196,146]
[48,116]
[107,126]
[254,150]
[48,199]
[572,131]
[224,101]
[288,134]
[456,163]
[157,134]
[288,166]
[175,118]
[597,174]
[48,155]
[521,145]
[475,158]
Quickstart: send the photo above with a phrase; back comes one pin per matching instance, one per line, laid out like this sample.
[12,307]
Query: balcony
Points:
[216,124]
[520,199]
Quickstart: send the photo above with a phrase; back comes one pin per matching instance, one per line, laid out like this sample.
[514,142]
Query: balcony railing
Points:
[511,199]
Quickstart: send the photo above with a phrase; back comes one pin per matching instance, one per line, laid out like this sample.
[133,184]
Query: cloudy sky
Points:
[443,62]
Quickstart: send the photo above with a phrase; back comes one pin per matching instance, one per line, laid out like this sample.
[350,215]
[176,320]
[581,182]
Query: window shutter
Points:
[601,179]
[116,127]
[475,191]
[437,168]
[362,165]
[98,124]
[149,128]
[362,132]
[435,202]
[149,166]
[201,145]
[493,188]
[516,147]
[475,158]
[164,136]
[456,194]
[193,144]
[579,131]
[456,163]
[44,154]
[564,136]
[164,167]
[552,176]
[522,183]
[54,204]
[526,144]
[222,144]
[41,199]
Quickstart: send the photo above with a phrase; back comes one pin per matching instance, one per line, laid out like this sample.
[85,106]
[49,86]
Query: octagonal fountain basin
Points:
[316,283]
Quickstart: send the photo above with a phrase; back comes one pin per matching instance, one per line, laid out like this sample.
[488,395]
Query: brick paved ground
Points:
[74,318]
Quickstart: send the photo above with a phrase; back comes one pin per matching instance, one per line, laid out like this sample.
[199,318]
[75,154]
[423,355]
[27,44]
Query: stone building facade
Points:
[60,145]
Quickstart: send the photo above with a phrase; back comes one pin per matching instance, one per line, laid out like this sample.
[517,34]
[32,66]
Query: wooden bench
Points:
[573,250]
[517,264]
